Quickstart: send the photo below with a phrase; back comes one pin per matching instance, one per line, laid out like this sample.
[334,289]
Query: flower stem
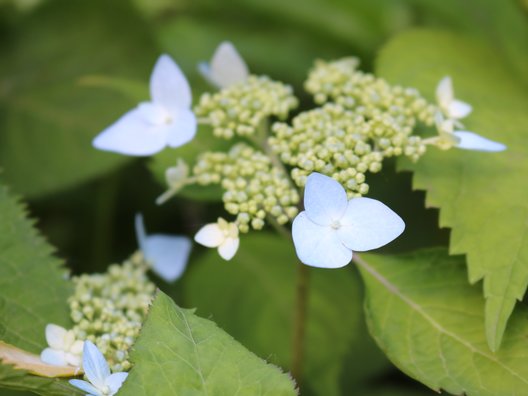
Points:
[299,321]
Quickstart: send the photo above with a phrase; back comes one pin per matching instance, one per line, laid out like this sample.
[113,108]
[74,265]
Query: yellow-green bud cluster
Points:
[241,108]
[339,143]
[254,187]
[109,308]
[393,107]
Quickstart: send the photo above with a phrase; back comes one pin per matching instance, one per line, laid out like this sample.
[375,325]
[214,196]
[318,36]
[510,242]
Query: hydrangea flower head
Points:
[221,235]
[226,67]
[466,140]
[167,120]
[167,254]
[451,107]
[101,382]
[63,348]
[176,177]
[332,227]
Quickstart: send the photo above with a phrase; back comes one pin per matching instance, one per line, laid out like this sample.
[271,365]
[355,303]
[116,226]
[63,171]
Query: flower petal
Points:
[132,135]
[325,200]
[85,386]
[115,381]
[55,336]
[458,109]
[141,234]
[94,365]
[73,360]
[228,248]
[369,224]
[318,246]
[444,92]
[168,85]
[227,66]
[168,255]
[472,141]
[183,128]
[77,347]
[210,235]
[53,357]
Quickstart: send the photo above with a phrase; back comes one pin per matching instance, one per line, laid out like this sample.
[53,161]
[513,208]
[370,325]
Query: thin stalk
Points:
[302,277]
[299,322]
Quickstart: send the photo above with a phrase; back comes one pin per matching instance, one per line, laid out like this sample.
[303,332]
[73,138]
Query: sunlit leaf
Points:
[180,353]
[33,292]
[429,322]
[483,197]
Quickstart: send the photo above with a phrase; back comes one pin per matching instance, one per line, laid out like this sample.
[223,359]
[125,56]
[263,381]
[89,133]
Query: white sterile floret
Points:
[451,107]
[465,140]
[221,235]
[96,370]
[63,348]
[177,177]
[226,67]
[331,227]
[167,120]
[167,254]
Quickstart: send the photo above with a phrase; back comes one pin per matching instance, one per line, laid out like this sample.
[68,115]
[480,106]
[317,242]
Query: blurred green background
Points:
[68,68]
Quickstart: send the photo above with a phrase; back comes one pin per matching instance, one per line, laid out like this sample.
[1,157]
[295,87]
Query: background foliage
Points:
[70,67]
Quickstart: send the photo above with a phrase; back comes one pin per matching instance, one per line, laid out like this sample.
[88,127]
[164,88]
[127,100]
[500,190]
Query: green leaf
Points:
[49,117]
[33,293]
[252,297]
[501,23]
[482,196]
[429,322]
[180,353]
[338,24]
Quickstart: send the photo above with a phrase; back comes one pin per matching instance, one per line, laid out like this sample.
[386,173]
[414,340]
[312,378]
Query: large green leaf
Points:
[179,353]
[48,117]
[359,26]
[429,322]
[482,196]
[252,297]
[33,293]
[502,23]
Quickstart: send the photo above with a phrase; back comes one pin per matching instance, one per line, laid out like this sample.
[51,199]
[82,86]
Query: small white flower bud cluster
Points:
[254,188]
[391,106]
[109,308]
[241,108]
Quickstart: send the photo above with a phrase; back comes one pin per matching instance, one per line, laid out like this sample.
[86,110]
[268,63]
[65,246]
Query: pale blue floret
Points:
[167,120]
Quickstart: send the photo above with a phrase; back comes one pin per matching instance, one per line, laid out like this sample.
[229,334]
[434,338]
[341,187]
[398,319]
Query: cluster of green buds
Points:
[372,97]
[329,140]
[109,308]
[254,187]
[241,108]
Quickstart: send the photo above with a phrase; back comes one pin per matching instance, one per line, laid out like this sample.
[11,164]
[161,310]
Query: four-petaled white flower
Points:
[332,227]
[221,235]
[167,120]
[167,254]
[452,108]
[63,349]
[466,140]
[177,177]
[96,369]
[226,67]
